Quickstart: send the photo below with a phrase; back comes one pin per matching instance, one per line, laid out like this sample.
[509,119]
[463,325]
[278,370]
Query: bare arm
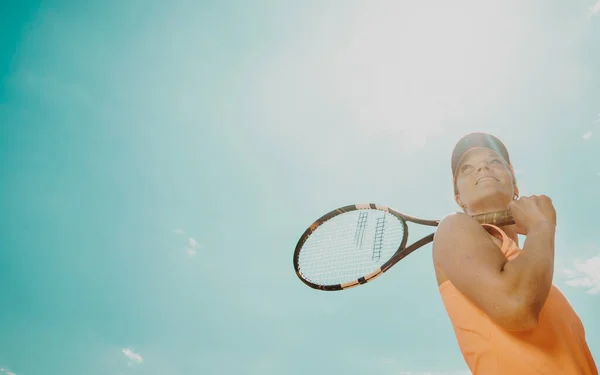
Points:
[534,267]
[510,293]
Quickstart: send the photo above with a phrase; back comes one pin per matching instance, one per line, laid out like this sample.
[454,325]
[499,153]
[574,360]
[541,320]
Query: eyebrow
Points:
[467,160]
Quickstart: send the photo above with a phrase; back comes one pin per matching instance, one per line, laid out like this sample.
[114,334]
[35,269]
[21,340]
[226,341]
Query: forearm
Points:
[531,273]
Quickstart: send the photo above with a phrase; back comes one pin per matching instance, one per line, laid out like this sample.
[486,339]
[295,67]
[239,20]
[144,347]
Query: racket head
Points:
[349,246]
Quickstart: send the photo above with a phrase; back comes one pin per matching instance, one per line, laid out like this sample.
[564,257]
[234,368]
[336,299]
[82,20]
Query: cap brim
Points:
[474,140]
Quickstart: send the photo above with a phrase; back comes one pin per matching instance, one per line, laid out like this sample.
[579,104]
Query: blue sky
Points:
[159,163]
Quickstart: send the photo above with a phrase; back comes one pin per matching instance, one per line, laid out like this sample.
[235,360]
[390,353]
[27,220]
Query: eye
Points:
[496,161]
[465,168]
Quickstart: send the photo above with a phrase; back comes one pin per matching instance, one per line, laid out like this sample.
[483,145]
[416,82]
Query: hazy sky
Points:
[159,162]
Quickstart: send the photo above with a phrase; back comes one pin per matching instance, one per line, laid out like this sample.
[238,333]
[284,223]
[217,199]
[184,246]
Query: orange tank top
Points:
[557,346]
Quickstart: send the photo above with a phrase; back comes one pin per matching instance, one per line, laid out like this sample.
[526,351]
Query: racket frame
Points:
[496,218]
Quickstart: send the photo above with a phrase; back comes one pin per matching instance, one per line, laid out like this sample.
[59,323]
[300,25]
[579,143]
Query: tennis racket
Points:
[355,244]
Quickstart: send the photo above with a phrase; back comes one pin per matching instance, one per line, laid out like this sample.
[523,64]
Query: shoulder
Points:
[457,221]
[455,230]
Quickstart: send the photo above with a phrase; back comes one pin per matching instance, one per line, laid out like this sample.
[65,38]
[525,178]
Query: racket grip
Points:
[495,218]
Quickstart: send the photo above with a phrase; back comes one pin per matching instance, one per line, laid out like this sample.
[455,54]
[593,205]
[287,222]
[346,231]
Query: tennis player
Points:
[508,317]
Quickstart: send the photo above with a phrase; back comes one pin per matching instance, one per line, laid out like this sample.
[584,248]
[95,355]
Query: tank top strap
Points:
[509,247]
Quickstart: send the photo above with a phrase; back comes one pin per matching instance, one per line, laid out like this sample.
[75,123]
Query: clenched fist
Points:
[531,211]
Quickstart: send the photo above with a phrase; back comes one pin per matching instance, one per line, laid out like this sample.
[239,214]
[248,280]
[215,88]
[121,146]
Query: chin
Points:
[496,198]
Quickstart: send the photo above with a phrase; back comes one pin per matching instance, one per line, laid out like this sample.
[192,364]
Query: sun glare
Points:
[408,70]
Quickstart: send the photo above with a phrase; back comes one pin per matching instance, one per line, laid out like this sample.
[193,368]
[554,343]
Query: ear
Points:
[514,175]
[460,203]
[516,189]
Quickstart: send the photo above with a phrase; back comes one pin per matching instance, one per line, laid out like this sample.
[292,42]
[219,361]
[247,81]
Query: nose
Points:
[483,165]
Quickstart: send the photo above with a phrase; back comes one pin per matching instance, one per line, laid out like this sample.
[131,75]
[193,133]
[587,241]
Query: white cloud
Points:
[587,135]
[6,372]
[134,357]
[193,243]
[596,8]
[191,246]
[585,274]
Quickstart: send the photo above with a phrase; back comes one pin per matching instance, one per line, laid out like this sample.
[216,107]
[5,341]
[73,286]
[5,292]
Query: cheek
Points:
[462,184]
[508,177]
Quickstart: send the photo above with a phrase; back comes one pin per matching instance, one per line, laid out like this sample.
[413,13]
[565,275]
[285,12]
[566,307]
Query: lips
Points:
[485,177]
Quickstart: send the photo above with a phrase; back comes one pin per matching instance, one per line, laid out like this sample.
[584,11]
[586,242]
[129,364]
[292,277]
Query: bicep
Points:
[473,263]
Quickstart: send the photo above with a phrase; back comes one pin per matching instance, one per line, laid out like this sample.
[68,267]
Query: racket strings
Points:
[350,246]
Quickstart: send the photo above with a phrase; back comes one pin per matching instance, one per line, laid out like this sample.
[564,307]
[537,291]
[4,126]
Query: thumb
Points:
[516,226]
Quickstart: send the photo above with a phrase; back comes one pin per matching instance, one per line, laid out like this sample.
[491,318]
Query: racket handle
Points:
[495,218]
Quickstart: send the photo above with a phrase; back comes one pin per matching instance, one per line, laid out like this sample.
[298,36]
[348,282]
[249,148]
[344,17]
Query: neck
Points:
[486,206]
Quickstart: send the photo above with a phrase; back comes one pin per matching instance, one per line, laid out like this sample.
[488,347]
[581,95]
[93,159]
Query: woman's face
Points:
[483,179]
